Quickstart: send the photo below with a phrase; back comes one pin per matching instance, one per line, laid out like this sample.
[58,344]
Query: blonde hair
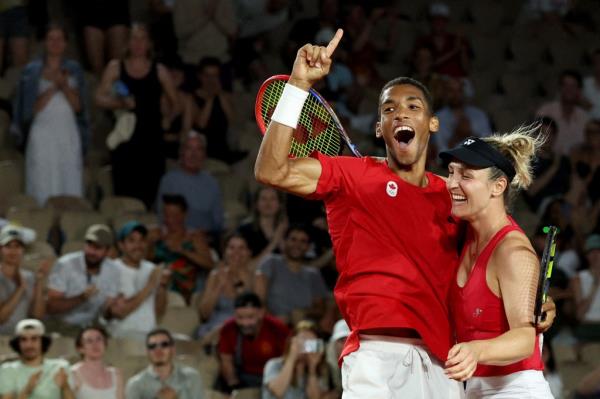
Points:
[520,147]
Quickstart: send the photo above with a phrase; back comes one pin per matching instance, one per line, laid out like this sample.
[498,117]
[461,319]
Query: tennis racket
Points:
[319,128]
[545,272]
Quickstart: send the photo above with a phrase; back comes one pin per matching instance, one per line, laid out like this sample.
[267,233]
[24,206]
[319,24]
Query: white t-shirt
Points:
[69,276]
[587,285]
[592,92]
[143,319]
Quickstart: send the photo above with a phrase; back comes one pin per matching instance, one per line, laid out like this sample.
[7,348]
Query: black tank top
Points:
[147,92]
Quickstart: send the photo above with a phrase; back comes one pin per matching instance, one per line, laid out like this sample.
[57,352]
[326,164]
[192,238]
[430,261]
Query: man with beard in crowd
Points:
[247,342]
[82,283]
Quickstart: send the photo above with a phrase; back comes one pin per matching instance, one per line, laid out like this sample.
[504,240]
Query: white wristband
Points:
[287,111]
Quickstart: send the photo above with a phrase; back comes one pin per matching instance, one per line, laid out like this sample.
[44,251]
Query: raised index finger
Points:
[334,42]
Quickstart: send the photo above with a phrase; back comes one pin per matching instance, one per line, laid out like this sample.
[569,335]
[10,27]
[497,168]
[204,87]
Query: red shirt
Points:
[395,249]
[479,314]
[256,351]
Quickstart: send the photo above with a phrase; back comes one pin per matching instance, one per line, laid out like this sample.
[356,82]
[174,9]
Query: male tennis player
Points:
[394,241]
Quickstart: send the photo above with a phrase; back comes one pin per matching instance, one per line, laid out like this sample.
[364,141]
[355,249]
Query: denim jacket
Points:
[27,93]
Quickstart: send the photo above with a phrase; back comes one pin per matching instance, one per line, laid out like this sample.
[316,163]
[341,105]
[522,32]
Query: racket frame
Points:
[263,126]
[546,266]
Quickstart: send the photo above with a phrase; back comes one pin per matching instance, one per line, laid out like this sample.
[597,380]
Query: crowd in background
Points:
[157,96]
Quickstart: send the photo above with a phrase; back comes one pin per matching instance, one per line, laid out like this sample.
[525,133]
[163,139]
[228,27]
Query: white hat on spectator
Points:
[30,325]
[340,330]
[11,233]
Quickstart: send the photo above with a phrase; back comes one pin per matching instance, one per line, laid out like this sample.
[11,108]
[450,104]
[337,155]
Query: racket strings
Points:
[316,130]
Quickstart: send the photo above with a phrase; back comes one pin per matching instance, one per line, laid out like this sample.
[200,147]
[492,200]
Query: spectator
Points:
[247,342]
[104,26]
[34,376]
[14,29]
[142,295]
[234,276]
[82,284]
[21,292]
[177,121]
[587,294]
[200,189]
[51,121]
[359,25]
[186,254]
[268,223]
[566,111]
[591,87]
[300,372]
[162,29]
[138,163]
[587,162]
[255,18]
[214,111]
[451,52]
[91,377]
[164,378]
[422,70]
[278,275]
[341,331]
[312,29]
[204,29]
[459,120]
[551,169]
[590,100]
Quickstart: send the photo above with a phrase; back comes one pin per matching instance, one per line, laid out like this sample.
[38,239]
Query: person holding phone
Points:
[301,372]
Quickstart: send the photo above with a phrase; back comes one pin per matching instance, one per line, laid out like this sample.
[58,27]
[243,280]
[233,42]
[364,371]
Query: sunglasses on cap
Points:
[162,345]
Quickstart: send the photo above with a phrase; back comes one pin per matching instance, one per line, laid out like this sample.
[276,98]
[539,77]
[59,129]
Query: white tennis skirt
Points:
[527,384]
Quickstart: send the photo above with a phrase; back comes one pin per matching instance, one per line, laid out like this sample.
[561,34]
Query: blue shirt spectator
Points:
[200,190]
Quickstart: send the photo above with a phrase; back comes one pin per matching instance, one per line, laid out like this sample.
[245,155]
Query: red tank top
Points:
[477,313]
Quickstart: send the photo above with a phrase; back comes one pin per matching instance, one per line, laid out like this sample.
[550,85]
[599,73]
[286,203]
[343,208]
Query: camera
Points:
[313,346]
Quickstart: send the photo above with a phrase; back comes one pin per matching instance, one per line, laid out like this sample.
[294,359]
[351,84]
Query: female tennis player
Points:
[493,296]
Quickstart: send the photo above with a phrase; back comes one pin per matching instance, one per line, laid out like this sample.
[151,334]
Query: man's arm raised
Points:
[273,166]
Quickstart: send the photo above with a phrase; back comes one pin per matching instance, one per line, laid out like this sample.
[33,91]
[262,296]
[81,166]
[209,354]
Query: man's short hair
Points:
[298,227]
[175,199]
[571,73]
[247,299]
[405,80]
[160,331]
[208,62]
[193,134]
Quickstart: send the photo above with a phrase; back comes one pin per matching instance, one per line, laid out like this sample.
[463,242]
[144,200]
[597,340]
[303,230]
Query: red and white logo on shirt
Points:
[392,188]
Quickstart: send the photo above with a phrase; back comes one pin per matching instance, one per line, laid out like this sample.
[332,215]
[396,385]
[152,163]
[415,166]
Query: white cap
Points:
[30,325]
[340,330]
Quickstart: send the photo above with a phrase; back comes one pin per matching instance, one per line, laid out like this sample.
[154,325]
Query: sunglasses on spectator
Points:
[162,345]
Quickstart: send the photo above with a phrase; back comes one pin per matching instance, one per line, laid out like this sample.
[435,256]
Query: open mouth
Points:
[404,135]
[458,198]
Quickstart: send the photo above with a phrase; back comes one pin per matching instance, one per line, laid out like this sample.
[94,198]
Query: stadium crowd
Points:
[140,258]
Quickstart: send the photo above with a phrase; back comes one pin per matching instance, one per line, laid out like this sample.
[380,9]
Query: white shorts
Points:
[527,384]
[390,368]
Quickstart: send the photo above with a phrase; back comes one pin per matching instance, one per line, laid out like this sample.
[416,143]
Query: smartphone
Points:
[313,346]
